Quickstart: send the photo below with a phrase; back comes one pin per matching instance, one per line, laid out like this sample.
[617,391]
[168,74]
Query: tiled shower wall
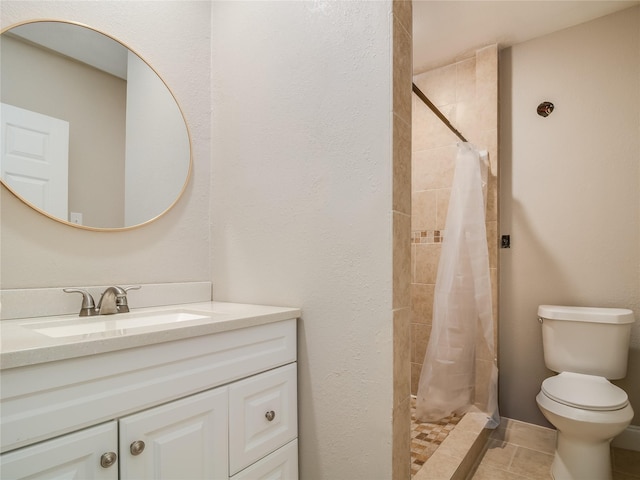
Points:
[402,69]
[466,92]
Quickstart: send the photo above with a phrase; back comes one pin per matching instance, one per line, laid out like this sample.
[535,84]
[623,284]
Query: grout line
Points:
[513,456]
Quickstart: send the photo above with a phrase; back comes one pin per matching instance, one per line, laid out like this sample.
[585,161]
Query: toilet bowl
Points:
[588,412]
[587,346]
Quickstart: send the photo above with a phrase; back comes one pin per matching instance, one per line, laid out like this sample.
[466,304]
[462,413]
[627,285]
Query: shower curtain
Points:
[462,309]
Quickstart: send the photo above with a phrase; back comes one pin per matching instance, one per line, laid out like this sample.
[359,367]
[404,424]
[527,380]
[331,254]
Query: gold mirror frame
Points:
[188,133]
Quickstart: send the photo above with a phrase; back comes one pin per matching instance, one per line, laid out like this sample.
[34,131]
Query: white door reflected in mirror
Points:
[35,158]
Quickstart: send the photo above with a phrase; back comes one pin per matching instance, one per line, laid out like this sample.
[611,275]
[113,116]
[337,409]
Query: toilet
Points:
[587,347]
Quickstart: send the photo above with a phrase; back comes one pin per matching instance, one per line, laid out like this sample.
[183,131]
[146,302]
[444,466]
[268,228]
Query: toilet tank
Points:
[587,340]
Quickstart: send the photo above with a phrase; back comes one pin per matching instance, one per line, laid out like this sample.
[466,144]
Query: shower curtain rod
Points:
[438,113]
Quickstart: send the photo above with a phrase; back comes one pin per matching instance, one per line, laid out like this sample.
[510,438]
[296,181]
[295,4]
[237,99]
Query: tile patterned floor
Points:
[522,451]
[514,451]
[427,437]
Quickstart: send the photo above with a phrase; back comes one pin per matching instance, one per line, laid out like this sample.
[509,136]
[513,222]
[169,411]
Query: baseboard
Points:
[629,439]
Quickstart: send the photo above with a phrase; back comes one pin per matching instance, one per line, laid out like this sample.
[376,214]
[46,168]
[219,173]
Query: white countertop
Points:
[21,344]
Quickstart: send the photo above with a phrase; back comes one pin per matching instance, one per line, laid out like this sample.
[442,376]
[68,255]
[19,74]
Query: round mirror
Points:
[91,135]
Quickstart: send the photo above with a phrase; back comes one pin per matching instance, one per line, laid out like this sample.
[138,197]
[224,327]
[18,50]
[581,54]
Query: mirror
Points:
[91,135]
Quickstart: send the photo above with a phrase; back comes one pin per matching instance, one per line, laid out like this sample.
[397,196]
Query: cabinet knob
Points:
[108,459]
[137,447]
[270,415]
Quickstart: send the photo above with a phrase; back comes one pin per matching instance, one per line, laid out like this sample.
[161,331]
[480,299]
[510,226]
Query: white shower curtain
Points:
[462,309]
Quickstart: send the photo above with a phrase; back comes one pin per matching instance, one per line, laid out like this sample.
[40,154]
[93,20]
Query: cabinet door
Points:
[74,456]
[263,415]
[279,465]
[181,440]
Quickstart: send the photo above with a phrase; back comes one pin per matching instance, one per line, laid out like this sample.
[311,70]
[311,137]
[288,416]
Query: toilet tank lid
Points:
[586,314]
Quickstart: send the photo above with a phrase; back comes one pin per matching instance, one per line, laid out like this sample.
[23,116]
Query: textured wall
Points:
[302,208]
[37,252]
[570,186]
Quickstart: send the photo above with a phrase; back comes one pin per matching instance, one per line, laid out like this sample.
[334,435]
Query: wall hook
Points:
[545,109]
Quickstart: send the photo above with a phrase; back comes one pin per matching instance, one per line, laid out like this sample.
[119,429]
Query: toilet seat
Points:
[587,392]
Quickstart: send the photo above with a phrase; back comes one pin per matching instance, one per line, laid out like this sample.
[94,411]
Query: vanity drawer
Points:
[263,415]
[281,464]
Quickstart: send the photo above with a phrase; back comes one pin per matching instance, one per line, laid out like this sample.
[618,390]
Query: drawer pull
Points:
[137,447]
[108,459]
[270,415]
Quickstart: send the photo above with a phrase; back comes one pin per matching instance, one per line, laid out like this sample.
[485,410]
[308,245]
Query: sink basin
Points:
[113,323]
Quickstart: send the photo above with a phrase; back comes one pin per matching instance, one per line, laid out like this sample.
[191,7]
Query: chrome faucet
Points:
[113,300]
[110,301]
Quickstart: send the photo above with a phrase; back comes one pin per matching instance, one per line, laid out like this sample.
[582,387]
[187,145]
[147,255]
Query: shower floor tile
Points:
[427,437]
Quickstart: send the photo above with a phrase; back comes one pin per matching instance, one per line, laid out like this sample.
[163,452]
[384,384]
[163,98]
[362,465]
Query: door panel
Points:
[183,440]
[75,456]
[35,158]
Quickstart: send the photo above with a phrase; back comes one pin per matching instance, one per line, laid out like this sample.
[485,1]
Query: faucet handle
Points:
[121,300]
[88,305]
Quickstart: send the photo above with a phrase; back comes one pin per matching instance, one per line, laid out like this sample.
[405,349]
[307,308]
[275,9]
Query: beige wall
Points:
[94,104]
[157,146]
[466,93]
[570,188]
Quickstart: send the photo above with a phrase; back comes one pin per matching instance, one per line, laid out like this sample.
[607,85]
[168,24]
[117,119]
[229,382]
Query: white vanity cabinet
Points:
[218,406]
[186,438]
